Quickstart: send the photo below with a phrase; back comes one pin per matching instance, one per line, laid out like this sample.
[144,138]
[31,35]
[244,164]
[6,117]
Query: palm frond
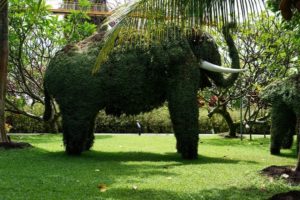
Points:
[156,17]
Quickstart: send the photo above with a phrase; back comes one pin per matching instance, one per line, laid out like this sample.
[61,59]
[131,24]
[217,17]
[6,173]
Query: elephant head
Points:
[206,50]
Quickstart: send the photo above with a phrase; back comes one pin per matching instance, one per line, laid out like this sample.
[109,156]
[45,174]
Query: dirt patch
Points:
[291,195]
[14,145]
[283,172]
[287,173]
[278,171]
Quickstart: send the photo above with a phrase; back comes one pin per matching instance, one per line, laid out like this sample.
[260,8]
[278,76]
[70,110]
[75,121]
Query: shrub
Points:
[156,121]
[22,124]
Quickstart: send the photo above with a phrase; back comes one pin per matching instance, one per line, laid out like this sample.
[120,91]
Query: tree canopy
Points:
[155,18]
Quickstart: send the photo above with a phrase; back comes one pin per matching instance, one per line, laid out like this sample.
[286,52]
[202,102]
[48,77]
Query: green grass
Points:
[226,169]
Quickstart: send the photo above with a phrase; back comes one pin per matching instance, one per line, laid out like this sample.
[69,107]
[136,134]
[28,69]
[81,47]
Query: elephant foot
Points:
[275,151]
[287,144]
[73,150]
[189,152]
[189,155]
[88,145]
[88,148]
[178,147]
[187,146]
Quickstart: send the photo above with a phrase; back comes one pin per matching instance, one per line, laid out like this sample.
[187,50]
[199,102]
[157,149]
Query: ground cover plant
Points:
[145,167]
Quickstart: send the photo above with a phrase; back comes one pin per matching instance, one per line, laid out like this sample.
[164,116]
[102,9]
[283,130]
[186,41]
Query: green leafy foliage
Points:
[273,5]
[76,26]
[268,52]
[85,4]
[286,89]
[35,35]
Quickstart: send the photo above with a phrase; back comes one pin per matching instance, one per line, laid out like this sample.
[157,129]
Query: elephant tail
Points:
[48,107]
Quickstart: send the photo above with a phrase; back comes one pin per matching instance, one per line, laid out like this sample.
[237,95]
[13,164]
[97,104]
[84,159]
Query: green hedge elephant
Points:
[284,97]
[135,80]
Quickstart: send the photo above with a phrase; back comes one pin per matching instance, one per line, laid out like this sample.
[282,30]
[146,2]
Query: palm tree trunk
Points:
[3,65]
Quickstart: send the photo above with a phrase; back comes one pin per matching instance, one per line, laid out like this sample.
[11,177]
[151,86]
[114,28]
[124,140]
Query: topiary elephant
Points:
[136,80]
[284,97]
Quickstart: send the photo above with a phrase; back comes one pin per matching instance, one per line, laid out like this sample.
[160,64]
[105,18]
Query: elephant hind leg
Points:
[281,127]
[288,139]
[287,142]
[275,150]
[74,135]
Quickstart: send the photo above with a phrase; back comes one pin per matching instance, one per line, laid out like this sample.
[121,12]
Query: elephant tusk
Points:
[215,68]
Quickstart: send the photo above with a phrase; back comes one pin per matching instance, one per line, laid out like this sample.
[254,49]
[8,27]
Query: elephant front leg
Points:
[77,133]
[184,112]
[184,116]
[90,134]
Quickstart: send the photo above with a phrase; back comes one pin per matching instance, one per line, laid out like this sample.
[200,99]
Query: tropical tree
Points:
[290,12]
[35,36]
[259,52]
[3,65]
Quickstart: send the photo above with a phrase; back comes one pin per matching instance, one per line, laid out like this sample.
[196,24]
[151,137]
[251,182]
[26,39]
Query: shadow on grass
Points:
[231,193]
[99,156]
[40,171]
[235,141]
[288,153]
[47,138]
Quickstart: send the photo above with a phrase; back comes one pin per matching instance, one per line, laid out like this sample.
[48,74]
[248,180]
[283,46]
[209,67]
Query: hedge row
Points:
[156,121]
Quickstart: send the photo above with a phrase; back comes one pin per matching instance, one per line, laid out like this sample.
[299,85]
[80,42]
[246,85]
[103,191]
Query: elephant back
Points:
[136,80]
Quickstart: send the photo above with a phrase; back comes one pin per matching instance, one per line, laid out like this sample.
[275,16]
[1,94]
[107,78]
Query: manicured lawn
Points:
[145,167]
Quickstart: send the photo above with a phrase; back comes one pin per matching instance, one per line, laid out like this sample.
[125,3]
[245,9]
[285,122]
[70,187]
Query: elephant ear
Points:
[204,47]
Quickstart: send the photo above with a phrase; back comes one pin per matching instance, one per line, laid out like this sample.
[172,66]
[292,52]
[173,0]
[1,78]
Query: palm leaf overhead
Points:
[2,4]
[152,20]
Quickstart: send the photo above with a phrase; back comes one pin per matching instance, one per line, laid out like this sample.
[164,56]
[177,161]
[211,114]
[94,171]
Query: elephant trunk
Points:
[218,78]
[234,55]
